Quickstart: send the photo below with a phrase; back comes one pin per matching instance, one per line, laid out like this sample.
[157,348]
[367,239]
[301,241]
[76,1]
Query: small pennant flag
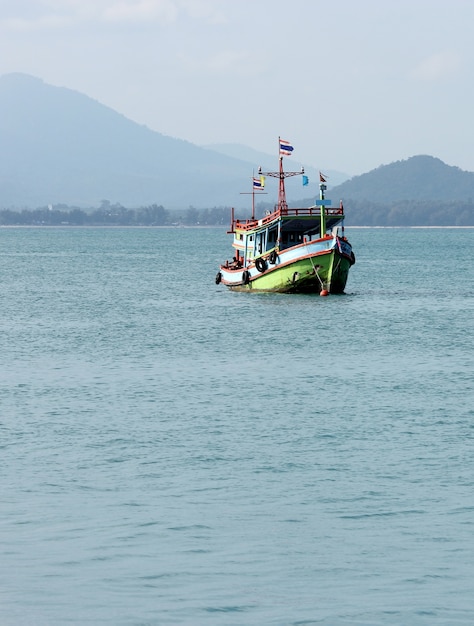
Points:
[305,181]
[322,179]
[259,183]
[285,147]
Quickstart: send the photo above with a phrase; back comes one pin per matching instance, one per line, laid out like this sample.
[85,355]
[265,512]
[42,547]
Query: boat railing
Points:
[313,211]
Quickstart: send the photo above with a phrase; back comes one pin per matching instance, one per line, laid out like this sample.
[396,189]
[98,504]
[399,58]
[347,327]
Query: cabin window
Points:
[261,242]
[292,238]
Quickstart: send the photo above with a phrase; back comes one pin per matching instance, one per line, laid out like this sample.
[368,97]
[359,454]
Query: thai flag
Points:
[285,147]
[258,183]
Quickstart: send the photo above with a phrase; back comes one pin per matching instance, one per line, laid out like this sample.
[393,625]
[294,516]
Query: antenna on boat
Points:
[256,191]
[285,148]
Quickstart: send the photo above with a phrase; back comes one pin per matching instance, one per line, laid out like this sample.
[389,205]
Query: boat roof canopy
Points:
[307,219]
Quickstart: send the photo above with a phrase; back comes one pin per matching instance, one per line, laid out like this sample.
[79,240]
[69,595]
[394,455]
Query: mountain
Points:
[420,191]
[419,178]
[267,161]
[59,146]
[62,147]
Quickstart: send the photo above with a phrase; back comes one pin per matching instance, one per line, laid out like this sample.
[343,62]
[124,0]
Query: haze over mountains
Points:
[62,147]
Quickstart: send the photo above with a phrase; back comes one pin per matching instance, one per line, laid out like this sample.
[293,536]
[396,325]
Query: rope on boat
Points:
[316,271]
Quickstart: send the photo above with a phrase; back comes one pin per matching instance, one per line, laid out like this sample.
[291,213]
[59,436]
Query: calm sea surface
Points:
[174,453]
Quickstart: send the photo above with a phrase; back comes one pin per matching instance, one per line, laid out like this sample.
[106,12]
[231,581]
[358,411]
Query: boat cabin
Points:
[254,238]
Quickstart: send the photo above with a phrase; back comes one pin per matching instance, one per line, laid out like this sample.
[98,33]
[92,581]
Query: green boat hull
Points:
[324,272]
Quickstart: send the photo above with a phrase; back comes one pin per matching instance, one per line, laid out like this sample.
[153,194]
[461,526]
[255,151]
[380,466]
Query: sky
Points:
[352,84]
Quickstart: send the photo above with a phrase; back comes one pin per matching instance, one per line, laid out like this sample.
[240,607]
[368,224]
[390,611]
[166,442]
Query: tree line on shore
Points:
[413,213]
[358,213]
[113,215]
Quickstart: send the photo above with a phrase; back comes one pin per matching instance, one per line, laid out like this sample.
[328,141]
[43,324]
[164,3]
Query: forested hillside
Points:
[409,213]
[417,178]
[420,191]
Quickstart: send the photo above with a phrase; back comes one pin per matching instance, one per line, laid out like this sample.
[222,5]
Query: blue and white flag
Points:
[305,180]
[285,147]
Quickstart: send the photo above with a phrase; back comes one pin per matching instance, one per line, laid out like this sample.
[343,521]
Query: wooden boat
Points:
[289,250]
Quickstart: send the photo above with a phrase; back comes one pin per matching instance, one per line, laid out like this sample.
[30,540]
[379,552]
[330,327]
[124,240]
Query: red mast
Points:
[281,175]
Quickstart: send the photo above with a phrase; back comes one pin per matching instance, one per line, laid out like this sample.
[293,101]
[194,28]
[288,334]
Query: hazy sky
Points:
[353,84]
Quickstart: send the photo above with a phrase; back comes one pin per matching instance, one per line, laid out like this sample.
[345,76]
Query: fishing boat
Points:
[289,250]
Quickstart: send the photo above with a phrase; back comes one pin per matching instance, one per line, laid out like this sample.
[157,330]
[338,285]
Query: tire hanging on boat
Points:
[353,258]
[218,278]
[246,277]
[261,264]
[272,259]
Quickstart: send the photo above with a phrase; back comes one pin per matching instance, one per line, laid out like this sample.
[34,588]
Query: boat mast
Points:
[322,189]
[281,175]
[254,193]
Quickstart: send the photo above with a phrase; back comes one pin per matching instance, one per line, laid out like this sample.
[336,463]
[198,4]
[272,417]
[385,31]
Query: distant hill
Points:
[417,178]
[59,146]
[420,191]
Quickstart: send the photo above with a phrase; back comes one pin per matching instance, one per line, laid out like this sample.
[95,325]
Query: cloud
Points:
[437,66]
[206,10]
[45,22]
[51,14]
[141,10]
[163,10]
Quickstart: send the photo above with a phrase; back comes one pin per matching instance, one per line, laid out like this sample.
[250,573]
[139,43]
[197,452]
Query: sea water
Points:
[175,453]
